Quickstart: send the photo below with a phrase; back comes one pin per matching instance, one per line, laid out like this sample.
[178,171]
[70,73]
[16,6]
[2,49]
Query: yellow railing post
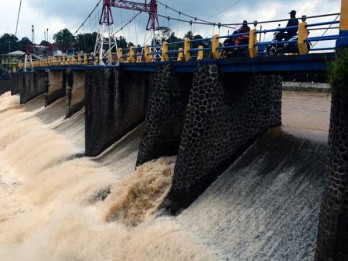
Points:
[180,55]
[165,56]
[120,55]
[85,58]
[302,36]
[200,53]
[94,58]
[214,46]
[139,57]
[79,59]
[109,57]
[187,47]
[147,54]
[252,41]
[344,16]
[342,42]
[130,57]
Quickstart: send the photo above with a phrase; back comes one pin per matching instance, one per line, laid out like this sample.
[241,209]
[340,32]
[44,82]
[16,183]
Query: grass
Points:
[338,70]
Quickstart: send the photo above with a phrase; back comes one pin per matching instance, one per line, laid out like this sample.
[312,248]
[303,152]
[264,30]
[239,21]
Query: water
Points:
[57,206]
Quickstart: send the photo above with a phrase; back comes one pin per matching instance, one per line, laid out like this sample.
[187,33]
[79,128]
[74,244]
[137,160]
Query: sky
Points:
[56,15]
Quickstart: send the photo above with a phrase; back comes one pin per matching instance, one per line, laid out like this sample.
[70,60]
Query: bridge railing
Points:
[208,48]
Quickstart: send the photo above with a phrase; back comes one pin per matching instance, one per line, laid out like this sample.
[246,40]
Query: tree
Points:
[86,42]
[23,43]
[165,32]
[121,42]
[8,43]
[65,39]
[45,43]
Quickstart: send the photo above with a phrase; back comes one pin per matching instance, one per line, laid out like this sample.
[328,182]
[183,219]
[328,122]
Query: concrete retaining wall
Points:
[225,114]
[56,86]
[165,114]
[33,85]
[115,104]
[332,242]
[17,82]
[75,91]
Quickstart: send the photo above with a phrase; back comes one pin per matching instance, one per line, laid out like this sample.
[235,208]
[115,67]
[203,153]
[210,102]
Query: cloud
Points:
[59,14]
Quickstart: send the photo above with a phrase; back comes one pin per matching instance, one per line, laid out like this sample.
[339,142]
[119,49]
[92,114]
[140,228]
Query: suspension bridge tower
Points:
[106,39]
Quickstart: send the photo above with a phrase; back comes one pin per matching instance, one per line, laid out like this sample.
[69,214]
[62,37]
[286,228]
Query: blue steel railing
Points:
[210,47]
[246,46]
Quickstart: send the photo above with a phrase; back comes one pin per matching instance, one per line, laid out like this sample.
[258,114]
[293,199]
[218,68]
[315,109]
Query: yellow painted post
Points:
[165,56]
[85,58]
[302,36]
[187,47]
[73,60]
[139,57]
[109,57]
[79,59]
[344,16]
[147,54]
[180,55]
[130,57]
[200,53]
[92,60]
[252,41]
[214,46]
[120,55]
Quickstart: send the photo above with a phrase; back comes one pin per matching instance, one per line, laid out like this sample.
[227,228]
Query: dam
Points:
[194,157]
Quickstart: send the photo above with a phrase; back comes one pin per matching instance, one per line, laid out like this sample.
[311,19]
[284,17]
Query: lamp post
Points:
[9,51]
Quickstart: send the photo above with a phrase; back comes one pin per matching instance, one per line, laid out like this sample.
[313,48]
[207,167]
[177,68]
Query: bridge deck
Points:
[283,63]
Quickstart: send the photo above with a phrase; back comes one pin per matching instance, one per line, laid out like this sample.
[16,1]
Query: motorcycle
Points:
[282,48]
[233,42]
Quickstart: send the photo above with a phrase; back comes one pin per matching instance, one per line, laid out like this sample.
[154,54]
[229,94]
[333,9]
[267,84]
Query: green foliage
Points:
[338,70]
[8,43]
[65,39]
[86,42]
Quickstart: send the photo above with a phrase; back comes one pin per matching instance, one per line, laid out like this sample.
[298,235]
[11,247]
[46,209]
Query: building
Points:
[10,60]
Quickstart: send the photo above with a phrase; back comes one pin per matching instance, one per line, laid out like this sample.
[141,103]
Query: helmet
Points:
[293,12]
[245,22]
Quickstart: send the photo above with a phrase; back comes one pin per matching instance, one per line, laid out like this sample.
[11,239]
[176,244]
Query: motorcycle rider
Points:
[287,34]
[245,28]
[242,39]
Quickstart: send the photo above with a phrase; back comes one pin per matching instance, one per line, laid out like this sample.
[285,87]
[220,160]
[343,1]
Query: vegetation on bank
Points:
[338,70]
[65,40]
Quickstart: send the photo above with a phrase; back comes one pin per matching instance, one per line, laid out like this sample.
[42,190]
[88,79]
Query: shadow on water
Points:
[266,205]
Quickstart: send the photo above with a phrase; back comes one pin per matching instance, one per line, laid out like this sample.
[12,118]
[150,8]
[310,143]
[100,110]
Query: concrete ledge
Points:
[75,91]
[33,86]
[56,86]
[115,104]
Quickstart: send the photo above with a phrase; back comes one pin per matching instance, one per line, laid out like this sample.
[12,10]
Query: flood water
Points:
[57,205]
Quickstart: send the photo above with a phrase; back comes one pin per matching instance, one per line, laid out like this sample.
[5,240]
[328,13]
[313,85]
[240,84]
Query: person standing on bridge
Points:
[287,34]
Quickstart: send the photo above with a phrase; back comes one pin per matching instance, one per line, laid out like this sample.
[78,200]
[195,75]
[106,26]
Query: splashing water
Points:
[53,205]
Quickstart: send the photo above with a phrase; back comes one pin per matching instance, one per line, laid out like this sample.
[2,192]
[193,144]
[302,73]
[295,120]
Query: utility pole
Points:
[9,51]
[47,34]
[32,34]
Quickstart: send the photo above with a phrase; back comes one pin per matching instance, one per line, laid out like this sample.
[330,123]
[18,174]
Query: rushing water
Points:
[56,205]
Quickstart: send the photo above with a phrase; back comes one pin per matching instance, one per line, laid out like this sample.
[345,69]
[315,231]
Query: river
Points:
[57,205]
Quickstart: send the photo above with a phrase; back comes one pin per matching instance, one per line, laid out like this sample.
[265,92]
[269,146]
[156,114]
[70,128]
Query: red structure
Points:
[106,22]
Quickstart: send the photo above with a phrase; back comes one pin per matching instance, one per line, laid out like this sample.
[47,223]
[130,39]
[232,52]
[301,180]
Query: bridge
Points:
[195,102]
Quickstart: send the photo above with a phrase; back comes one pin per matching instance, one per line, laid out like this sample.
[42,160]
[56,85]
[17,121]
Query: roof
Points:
[15,53]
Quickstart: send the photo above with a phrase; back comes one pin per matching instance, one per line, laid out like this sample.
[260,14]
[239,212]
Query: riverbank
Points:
[306,86]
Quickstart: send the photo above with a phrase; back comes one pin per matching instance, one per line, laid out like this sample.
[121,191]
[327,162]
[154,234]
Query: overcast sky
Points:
[59,14]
